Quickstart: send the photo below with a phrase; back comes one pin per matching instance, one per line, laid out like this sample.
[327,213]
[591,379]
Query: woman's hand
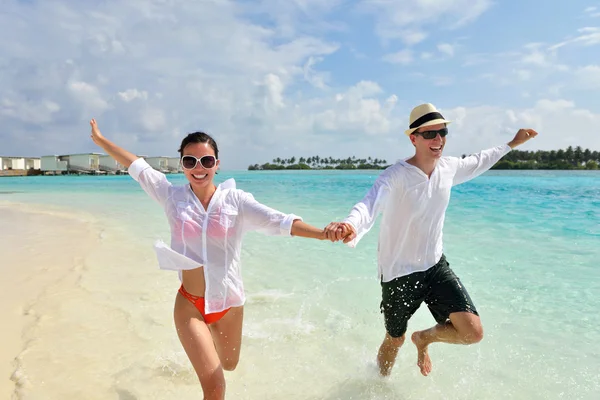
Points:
[96,135]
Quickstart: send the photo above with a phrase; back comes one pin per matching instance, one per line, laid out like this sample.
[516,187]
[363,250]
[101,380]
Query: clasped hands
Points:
[336,231]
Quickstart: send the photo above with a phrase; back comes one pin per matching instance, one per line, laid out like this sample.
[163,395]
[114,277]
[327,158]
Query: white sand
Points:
[85,311]
[40,255]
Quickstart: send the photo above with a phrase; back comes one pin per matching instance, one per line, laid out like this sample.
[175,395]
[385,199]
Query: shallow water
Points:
[526,244]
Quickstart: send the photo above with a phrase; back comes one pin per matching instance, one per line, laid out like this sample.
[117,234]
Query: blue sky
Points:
[296,78]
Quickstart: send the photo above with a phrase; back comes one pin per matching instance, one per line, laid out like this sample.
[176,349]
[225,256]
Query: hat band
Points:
[426,118]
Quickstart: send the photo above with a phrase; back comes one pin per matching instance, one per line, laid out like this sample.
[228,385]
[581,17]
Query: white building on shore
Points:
[97,163]
[109,164]
[19,163]
[159,163]
[84,162]
[54,164]
[174,165]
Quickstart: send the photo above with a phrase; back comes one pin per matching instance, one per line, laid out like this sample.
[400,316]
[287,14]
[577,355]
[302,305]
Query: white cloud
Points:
[295,17]
[536,58]
[153,120]
[559,123]
[317,79]
[403,19]
[588,77]
[357,111]
[589,36]
[523,74]
[28,111]
[410,37]
[442,80]
[446,49]
[592,12]
[88,96]
[403,57]
[132,94]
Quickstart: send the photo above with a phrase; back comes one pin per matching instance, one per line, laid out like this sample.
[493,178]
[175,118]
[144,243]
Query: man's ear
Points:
[413,139]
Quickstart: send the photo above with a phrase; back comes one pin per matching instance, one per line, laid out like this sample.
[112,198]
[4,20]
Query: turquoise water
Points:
[526,244]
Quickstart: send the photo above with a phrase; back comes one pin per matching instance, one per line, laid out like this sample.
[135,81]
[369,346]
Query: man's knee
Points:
[396,341]
[473,335]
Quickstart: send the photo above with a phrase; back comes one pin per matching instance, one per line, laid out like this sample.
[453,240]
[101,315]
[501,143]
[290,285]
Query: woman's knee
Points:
[213,387]
[230,364]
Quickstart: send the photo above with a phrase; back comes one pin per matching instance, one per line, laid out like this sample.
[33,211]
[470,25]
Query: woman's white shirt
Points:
[210,237]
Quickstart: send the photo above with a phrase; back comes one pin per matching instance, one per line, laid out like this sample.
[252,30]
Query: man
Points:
[412,196]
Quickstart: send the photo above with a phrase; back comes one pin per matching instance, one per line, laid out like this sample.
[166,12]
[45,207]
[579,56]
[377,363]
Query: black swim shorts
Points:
[438,287]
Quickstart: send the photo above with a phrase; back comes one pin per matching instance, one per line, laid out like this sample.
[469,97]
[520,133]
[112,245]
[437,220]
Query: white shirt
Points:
[211,238]
[413,208]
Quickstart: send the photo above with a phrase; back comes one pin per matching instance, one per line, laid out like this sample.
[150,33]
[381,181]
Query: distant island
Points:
[317,162]
[567,159]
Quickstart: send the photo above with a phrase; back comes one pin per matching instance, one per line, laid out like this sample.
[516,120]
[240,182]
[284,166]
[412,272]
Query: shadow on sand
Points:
[364,389]
[125,395]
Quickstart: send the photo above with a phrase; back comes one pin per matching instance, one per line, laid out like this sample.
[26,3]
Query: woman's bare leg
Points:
[197,341]
[227,334]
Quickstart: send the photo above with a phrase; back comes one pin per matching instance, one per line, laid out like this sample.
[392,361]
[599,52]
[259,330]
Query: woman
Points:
[207,225]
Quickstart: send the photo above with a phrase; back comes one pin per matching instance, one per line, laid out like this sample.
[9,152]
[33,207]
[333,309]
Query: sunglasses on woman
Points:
[190,162]
[432,134]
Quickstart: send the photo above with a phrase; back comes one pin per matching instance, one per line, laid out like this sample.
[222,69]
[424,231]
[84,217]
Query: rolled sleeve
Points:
[137,167]
[476,164]
[154,182]
[264,219]
[286,224]
[364,213]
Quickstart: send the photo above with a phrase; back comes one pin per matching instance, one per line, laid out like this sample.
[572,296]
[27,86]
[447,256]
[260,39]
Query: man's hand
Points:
[521,137]
[340,230]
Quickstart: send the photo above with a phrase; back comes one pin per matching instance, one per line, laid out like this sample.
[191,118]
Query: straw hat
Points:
[424,115]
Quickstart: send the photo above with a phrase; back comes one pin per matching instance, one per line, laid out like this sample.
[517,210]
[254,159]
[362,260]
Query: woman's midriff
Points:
[193,281]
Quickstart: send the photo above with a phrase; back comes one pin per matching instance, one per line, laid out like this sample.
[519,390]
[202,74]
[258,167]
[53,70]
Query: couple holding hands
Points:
[208,223]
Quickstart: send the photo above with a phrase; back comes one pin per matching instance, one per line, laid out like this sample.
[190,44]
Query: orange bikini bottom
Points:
[198,302]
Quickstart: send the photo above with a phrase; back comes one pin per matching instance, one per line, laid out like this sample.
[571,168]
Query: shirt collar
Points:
[227,184]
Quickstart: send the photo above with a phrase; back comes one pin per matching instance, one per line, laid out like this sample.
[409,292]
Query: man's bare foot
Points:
[384,367]
[424,362]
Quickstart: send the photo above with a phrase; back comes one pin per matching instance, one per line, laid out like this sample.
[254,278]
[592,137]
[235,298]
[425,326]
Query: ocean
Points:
[526,244]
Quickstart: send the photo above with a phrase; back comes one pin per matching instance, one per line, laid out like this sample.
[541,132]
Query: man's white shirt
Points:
[413,208]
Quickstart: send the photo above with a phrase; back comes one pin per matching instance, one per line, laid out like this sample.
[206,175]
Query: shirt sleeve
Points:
[364,213]
[264,219]
[476,164]
[154,182]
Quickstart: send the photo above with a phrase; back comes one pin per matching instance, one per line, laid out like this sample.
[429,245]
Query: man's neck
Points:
[427,165]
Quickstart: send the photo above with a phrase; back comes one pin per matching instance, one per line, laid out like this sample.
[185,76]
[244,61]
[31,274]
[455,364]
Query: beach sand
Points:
[86,313]
[41,254]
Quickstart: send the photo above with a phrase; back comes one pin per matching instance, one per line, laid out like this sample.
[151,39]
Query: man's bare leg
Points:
[463,328]
[388,352]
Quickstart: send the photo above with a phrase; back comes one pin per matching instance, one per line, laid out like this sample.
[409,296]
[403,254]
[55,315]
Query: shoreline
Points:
[35,265]
[79,326]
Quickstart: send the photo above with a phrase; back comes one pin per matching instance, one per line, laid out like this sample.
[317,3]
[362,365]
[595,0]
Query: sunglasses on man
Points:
[190,162]
[432,134]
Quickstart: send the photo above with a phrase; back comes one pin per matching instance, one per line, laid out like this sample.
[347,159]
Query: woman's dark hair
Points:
[199,137]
